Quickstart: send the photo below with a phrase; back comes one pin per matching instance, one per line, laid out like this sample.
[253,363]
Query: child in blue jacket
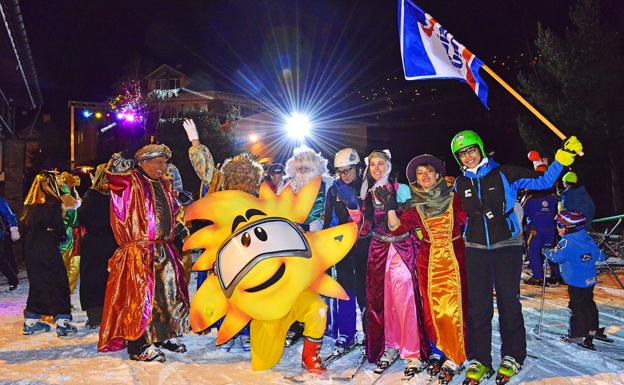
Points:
[577,254]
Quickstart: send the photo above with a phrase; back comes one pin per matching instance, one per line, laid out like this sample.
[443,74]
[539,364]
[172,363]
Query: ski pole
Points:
[606,236]
[614,275]
[538,328]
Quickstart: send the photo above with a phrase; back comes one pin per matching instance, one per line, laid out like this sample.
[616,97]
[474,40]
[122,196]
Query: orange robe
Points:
[441,277]
[146,292]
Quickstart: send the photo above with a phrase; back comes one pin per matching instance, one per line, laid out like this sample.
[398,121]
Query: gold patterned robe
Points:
[146,292]
[441,276]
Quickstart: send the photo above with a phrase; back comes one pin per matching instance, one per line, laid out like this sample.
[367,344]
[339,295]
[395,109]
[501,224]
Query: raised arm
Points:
[199,155]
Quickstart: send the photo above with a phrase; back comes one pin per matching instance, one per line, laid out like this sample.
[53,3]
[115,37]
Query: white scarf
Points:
[381,182]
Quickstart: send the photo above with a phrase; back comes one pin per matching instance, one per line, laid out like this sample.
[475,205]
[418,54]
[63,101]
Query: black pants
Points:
[584,316]
[351,272]
[137,346]
[498,268]
[8,267]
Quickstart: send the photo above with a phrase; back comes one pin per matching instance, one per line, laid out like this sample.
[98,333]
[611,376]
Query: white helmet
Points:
[346,157]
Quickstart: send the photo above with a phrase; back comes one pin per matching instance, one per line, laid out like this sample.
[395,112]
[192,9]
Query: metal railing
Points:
[6,113]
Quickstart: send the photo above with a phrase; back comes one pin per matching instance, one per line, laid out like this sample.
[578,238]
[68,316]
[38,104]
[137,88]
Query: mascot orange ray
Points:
[265,270]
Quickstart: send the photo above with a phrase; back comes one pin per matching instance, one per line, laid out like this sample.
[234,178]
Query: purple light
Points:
[130,117]
[120,116]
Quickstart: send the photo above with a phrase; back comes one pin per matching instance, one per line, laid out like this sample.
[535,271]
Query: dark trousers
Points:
[350,272]
[584,316]
[8,267]
[535,244]
[135,347]
[500,269]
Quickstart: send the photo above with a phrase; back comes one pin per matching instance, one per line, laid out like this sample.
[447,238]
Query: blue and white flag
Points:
[429,51]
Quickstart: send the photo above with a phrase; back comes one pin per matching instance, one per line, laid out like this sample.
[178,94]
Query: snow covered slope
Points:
[45,359]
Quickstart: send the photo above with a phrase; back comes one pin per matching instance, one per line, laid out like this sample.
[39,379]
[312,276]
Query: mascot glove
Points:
[191,129]
[346,195]
[386,197]
[571,147]
[15,235]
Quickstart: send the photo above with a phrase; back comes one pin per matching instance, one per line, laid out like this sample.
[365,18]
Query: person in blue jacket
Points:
[540,208]
[8,226]
[577,254]
[342,206]
[575,197]
[494,248]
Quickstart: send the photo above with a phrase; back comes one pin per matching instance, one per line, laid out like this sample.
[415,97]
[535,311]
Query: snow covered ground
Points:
[45,359]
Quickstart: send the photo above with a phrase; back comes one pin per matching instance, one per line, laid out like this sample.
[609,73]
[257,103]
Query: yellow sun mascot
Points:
[265,270]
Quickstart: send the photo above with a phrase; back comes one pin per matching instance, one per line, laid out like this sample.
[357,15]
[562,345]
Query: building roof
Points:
[165,68]
[19,83]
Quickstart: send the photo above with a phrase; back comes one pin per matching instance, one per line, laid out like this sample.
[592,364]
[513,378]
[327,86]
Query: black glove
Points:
[387,198]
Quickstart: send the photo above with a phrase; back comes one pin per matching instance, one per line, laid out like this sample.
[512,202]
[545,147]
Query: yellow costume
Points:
[265,269]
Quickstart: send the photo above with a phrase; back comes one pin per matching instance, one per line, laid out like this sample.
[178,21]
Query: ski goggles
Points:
[471,150]
[255,242]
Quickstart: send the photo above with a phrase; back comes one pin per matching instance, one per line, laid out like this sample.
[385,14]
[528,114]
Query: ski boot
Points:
[509,367]
[342,345]
[149,353]
[173,345]
[588,343]
[34,326]
[476,373]
[64,328]
[389,356]
[602,336]
[245,343]
[229,345]
[294,334]
[435,363]
[448,371]
[413,366]
[310,357]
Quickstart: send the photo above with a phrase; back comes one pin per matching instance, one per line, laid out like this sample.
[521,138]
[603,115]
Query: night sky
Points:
[81,48]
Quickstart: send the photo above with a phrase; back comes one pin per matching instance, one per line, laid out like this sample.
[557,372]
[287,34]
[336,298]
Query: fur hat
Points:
[242,173]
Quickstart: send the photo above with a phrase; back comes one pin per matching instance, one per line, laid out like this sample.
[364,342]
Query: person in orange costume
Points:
[436,211]
[146,303]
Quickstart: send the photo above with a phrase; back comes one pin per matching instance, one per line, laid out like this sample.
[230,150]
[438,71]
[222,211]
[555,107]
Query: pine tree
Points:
[579,84]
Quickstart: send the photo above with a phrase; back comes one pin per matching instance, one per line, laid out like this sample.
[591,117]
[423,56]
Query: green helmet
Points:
[465,139]
[570,177]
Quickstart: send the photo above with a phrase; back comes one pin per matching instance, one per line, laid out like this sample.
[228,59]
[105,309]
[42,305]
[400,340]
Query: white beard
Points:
[300,180]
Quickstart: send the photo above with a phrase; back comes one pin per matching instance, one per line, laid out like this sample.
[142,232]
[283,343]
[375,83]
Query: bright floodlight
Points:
[298,126]
[253,138]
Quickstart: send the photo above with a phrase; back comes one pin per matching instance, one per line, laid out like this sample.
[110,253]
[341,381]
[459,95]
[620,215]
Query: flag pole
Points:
[525,103]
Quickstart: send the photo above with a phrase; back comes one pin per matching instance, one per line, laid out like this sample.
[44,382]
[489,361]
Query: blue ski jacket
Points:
[540,209]
[488,197]
[577,254]
[7,215]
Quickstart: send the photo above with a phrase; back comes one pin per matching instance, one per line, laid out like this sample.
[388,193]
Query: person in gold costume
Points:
[48,292]
[437,212]
[70,247]
[146,304]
